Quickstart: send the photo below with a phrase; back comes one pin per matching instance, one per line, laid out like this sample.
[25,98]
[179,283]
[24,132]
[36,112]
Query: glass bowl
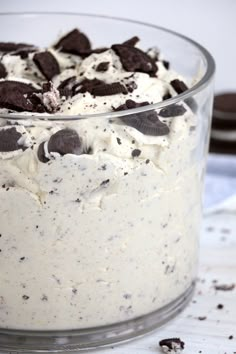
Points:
[103,247]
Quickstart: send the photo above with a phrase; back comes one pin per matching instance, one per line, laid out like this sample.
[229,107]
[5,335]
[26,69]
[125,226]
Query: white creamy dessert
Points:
[99,216]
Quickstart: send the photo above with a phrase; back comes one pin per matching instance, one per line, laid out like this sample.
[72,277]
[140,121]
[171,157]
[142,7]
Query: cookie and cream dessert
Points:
[99,215]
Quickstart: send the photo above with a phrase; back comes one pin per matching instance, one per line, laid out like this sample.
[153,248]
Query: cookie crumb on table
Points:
[172,345]
[224,287]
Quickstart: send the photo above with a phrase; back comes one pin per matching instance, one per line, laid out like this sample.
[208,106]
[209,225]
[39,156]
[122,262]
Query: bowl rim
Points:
[196,88]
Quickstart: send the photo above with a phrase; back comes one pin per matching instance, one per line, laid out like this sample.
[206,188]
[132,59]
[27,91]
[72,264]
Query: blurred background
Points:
[209,22]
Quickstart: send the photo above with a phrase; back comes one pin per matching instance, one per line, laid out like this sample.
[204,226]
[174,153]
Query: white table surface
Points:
[212,23]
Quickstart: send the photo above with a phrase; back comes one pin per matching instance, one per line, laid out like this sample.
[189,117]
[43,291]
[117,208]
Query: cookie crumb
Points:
[118,141]
[25,297]
[202,318]
[104,183]
[220,306]
[136,153]
[225,287]
[172,345]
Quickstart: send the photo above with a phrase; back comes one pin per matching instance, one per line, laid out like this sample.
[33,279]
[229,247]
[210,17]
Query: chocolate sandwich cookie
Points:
[47,64]
[19,96]
[223,133]
[65,141]
[10,140]
[134,59]
[147,123]
[74,42]
[172,345]
[180,87]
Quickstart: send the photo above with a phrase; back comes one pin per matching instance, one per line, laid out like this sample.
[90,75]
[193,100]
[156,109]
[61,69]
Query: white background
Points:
[210,22]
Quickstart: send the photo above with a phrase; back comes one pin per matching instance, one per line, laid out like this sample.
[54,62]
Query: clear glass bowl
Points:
[103,265]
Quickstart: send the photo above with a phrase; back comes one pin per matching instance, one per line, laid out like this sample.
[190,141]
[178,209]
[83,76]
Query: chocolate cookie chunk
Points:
[131,86]
[172,345]
[134,59]
[102,66]
[47,64]
[166,64]
[74,42]
[109,89]
[98,50]
[8,47]
[174,110]
[14,95]
[66,87]
[9,140]
[136,152]
[86,85]
[24,53]
[180,87]
[224,287]
[3,72]
[38,106]
[41,153]
[147,123]
[132,41]
[166,96]
[99,88]
[65,141]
